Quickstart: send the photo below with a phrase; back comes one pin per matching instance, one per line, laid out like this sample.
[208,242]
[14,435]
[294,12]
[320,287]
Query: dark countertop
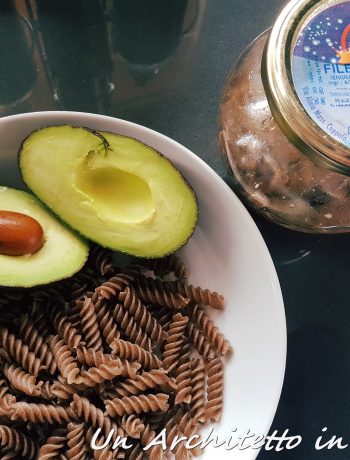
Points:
[163,65]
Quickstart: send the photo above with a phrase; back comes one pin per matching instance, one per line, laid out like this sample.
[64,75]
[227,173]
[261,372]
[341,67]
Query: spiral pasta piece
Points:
[65,330]
[142,316]
[133,352]
[132,425]
[76,449]
[142,382]
[96,375]
[198,294]
[210,331]
[97,358]
[215,369]
[111,288]
[174,341]
[41,413]
[184,383]
[19,352]
[64,358]
[4,388]
[16,441]
[36,343]
[63,390]
[46,389]
[53,445]
[89,413]
[130,328]
[153,291]
[137,404]
[89,324]
[198,400]
[21,380]
[106,322]
[199,341]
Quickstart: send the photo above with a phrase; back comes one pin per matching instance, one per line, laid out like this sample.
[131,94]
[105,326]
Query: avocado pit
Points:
[20,234]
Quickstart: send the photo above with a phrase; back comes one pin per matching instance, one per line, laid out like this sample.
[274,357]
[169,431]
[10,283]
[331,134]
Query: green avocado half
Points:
[62,255]
[113,189]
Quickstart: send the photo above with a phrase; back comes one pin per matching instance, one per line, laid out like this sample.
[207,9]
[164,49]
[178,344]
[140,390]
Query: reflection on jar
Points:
[272,175]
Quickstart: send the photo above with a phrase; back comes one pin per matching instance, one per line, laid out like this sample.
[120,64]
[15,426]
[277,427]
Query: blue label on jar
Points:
[321,70]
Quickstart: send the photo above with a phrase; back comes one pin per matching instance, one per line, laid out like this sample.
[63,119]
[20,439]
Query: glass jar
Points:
[285,118]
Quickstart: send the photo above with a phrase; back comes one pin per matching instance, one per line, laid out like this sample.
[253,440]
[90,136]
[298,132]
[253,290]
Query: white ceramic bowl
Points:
[226,253]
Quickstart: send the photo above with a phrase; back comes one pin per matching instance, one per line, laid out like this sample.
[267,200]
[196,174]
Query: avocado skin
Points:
[100,135]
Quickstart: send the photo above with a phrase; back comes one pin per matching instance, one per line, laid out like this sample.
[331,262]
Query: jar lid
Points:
[306,75]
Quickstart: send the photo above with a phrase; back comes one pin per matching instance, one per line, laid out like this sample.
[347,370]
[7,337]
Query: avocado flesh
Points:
[126,196]
[62,255]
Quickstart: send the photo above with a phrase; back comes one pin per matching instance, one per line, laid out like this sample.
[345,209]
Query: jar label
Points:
[321,70]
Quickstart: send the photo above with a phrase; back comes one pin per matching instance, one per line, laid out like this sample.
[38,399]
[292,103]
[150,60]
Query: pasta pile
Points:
[131,350]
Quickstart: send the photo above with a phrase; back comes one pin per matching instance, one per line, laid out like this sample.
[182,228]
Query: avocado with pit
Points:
[113,189]
[62,254]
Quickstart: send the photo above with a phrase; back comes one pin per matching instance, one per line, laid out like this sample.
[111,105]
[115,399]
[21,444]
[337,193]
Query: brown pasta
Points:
[116,284]
[89,413]
[210,331]
[142,316]
[64,358]
[198,396]
[134,352]
[198,295]
[35,341]
[174,341]
[4,388]
[63,391]
[106,350]
[215,370]
[184,383]
[41,413]
[21,380]
[76,444]
[16,441]
[19,352]
[89,324]
[65,330]
[199,341]
[130,327]
[96,375]
[132,426]
[153,291]
[97,358]
[142,382]
[137,404]
[106,321]
[54,445]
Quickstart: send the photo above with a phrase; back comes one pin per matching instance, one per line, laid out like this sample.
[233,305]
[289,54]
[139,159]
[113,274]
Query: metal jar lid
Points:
[277,73]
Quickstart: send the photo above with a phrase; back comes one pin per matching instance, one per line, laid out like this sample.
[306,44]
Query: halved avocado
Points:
[113,189]
[62,255]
